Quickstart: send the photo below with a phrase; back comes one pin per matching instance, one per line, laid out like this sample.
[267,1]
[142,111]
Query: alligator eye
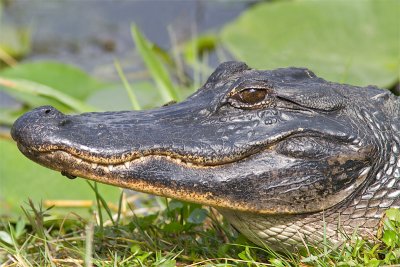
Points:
[250,96]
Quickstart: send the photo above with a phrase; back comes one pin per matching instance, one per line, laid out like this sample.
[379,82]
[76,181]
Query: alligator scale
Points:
[278,152]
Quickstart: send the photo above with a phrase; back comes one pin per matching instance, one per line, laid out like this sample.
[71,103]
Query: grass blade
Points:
[34,88]
[127,86]
[157,70]
[101,202]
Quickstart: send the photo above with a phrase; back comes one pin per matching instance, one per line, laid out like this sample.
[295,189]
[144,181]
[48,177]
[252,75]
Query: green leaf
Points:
[127,86]
[36,89]
[389,237]
[147,97]
[6,237]
[223,250]
[19,228]
[245,254]
[276,262]
[22,179]
[173,227]
[393,214]
[374,263]
[8,116]
[354,42]
[65,79]
[146,221]
[143,256]
[167,263]
[197,216]
[205,43]
[156,68]
[396,253]
[175,204]
[135,249]
[15,42]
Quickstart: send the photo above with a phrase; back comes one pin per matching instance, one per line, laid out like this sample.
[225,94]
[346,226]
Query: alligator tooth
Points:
[94,166]
[127,164]
[168,157]
[189,164]
[79,160]
[178,160]
[110,168]
[142,158]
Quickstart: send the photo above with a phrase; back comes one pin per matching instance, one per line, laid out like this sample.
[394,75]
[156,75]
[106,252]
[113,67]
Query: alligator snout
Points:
[29,128]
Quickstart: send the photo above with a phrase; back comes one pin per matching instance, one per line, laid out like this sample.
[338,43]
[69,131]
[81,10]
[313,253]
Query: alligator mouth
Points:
[108,165]
[134,156]
[120,175]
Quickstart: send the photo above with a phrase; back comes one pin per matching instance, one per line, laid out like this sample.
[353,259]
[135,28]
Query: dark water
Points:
[91,34]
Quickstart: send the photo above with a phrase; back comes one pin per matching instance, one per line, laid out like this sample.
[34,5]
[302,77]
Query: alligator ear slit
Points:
[312,104]
[292,101]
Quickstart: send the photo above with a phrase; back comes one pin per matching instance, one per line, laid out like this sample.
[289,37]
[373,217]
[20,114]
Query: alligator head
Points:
[273,142]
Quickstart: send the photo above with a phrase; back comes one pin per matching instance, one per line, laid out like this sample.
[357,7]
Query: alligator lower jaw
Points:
[120,175]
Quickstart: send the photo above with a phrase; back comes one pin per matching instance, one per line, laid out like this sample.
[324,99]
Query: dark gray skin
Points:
[275,151]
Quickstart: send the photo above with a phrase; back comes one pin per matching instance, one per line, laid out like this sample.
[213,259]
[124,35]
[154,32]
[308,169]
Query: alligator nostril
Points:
[47,111]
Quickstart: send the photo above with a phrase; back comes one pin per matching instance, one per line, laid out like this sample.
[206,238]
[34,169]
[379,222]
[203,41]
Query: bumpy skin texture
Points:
[276,151]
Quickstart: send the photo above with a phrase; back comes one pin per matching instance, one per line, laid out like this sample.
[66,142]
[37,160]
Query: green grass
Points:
[177,234]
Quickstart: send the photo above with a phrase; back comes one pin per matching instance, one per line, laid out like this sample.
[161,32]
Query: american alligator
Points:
[283,154]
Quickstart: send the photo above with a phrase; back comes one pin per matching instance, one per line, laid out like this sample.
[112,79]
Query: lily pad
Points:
[22,179]
[64,78]
[354,42]
[146,93]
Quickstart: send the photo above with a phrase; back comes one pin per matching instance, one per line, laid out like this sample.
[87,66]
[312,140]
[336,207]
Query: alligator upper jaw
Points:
[119,137]
[175,132]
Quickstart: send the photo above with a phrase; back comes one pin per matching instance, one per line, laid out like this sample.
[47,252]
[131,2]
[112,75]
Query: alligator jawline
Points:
[134,155]
[132,161]
[128,161]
